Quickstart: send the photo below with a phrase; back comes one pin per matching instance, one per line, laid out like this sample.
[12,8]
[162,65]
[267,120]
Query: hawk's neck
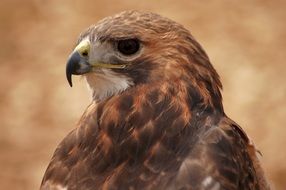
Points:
[149,112]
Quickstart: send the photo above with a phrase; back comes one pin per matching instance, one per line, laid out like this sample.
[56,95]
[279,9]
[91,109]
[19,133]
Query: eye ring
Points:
[128,46]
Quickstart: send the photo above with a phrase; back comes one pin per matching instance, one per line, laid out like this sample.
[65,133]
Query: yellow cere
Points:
[83,46]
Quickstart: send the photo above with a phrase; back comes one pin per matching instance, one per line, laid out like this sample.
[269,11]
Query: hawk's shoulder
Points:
[223,158]
[69,161]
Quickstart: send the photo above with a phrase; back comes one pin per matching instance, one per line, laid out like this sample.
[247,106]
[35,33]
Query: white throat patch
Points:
[105,83]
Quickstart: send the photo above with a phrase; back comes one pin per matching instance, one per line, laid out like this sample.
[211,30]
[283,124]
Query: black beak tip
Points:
[72,66]
[69,78]
[69,75]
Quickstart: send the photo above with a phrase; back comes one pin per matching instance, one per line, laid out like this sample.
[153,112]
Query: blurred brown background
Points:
[244,39]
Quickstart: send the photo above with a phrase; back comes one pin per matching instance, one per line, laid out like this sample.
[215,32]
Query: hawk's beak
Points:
[78,62]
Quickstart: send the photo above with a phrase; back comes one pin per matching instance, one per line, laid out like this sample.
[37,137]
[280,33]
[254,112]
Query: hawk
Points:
[156,120]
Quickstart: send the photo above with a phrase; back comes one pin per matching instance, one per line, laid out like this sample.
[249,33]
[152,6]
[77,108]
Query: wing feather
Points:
[221,159]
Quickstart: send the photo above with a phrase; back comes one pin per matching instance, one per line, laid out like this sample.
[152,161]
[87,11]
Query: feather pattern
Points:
[167,130]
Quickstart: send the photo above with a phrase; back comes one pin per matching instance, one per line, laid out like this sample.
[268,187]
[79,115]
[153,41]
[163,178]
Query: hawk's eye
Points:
[128,46]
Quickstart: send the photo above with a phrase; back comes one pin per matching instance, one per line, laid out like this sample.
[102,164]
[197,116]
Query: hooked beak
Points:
[79,64]
[78,61]
[76,65]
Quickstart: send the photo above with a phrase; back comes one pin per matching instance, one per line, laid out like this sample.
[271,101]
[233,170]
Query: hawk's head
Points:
[134,48]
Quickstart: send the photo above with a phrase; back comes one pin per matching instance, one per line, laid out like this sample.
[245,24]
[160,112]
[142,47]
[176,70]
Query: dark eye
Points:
[128,47]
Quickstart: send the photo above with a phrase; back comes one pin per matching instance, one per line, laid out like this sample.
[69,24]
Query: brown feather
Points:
[168,131]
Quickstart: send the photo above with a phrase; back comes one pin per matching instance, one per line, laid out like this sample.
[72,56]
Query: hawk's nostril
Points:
[85,53]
